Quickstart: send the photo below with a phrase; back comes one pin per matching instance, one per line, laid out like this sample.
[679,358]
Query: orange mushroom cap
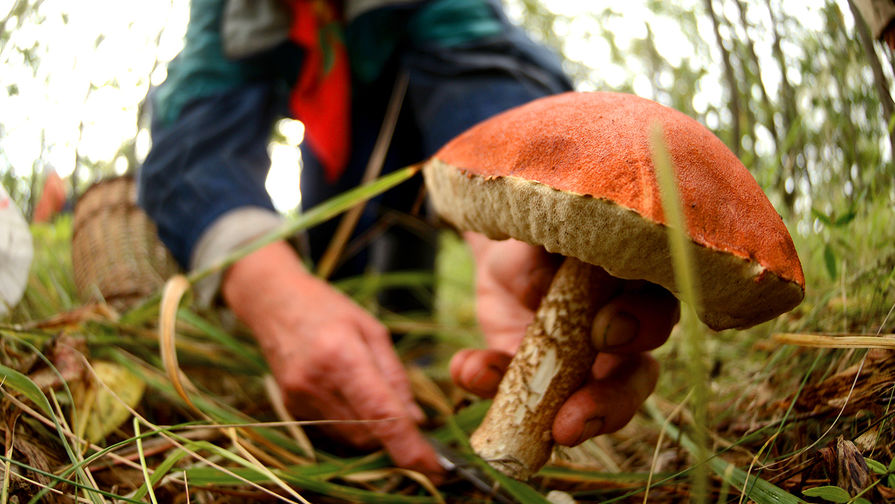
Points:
[574,173]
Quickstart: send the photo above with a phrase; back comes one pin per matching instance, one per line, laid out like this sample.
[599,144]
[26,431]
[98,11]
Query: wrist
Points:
[261,285]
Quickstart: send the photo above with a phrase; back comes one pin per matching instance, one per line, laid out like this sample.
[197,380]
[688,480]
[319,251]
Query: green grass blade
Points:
[366,286]
[96,492]
[219,412]
[146,479]
[247,353]
[29,389]
[684,276]
[317,215]
[26,387]
[520,491]
[757,489]
[160,471]
[457,429]
[106,450]
[213,477]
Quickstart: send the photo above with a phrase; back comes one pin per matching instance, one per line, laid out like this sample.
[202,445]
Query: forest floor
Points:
[90,414]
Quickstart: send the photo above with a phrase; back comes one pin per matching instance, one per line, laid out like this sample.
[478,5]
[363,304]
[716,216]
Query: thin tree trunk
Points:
[847,138]
[731,80]
[788,98]
[748,113]
[770,120]
[74,172]
[890,56]
[879,78]
[655,61]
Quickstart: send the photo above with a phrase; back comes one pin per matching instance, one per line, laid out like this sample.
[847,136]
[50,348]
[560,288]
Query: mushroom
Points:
[574,173]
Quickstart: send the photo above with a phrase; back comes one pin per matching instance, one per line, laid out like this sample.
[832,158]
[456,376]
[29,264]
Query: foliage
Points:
[832,493]
[808,119]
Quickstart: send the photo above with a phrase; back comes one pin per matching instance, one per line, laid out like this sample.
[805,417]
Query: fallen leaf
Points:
[101,409]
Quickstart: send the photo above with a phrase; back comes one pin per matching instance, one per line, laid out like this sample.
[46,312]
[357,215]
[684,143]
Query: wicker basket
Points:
[116,253]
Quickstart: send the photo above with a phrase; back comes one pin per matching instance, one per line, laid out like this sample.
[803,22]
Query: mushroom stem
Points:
[554,359]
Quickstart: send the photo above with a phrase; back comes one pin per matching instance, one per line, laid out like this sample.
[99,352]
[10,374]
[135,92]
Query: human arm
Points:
[331,359]
[203,184]
[511,278]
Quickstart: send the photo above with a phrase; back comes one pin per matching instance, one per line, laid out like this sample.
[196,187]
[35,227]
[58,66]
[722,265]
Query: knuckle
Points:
[390,429]
[376,410]
[395,376]
[329,349]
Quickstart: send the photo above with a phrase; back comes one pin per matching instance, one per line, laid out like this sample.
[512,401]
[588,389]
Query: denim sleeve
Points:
[453,88]
[209,161]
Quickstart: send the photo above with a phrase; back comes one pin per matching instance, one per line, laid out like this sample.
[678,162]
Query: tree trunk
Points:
[730,77]
[767,106]
[879,78]
[788,98]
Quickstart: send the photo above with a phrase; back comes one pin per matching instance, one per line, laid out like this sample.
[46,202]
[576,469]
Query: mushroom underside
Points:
[736,292]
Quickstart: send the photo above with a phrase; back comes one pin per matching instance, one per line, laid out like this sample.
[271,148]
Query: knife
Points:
[452,461]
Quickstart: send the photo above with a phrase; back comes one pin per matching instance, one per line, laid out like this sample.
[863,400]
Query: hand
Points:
[331,359]
[512,277]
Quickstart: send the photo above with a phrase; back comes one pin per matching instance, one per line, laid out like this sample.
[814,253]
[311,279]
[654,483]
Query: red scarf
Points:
[321,97]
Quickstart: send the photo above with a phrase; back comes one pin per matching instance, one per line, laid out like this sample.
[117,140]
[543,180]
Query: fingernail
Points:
[621,329]
[591,428]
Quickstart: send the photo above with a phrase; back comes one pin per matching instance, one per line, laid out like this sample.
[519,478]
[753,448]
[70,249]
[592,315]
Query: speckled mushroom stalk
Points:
[553,360]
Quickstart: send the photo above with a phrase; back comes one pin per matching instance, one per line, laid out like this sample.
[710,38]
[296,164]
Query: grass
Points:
[772,412]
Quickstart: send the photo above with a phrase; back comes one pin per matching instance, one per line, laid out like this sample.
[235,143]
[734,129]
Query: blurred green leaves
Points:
[834,248]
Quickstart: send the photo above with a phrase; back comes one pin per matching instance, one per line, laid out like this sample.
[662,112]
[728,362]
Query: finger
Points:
[346,428]
[390,366]
[477,242]
[519,269]
[479,371]
[635,321]
[511,277]
[371,397]
[323,404]
[609,401]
